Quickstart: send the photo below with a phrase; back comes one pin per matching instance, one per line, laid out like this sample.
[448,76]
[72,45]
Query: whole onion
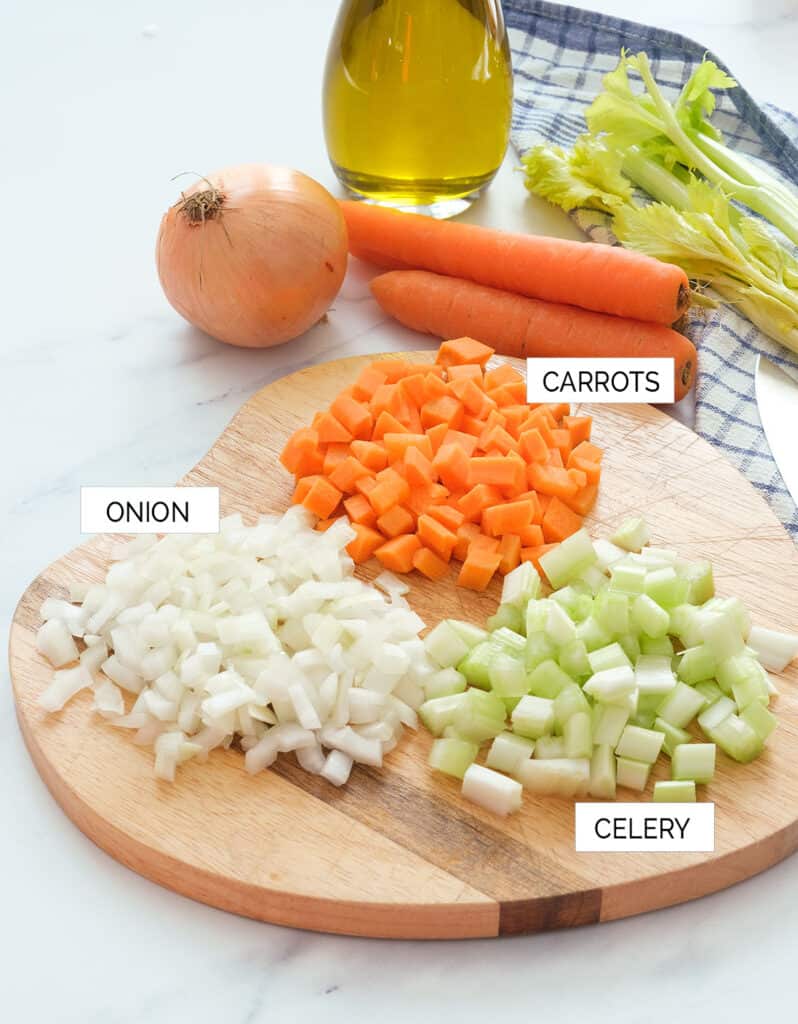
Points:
[253,254]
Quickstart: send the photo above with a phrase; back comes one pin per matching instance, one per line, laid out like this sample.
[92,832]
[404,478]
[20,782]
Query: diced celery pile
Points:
[582,689]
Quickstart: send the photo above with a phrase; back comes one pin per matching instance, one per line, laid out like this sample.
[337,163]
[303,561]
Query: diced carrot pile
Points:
[446,461]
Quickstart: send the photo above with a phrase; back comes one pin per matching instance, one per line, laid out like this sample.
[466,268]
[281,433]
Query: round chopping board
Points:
[397,852]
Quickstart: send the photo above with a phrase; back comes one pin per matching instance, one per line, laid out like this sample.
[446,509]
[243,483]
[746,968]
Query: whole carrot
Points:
[449,307]
[604,278]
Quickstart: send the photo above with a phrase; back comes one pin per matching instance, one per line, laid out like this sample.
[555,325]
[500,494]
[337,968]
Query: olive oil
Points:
[417,100]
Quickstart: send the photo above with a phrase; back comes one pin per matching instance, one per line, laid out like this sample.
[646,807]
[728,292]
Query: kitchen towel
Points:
[560,55]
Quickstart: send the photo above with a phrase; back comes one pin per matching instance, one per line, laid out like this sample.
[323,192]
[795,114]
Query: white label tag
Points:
[600,380]
[149,509]
[644,827]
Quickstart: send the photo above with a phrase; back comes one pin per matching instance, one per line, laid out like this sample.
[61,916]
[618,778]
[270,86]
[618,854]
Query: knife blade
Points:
[777,399]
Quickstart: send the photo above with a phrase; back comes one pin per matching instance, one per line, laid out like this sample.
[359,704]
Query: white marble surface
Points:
[101,383]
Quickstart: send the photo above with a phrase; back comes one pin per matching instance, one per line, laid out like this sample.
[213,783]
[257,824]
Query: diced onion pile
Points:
[258,634]
[600,677]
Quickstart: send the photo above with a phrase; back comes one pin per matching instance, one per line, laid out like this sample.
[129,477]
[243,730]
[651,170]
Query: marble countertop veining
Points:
[101,383]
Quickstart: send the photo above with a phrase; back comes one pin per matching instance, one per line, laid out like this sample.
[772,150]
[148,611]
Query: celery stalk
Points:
[533,717]
[508,640]
[444,683]
[593,578]
[654,675]
[721,635]
[478,716]
[629,701]
[649,702]
[696,664]
[652,619]
[762,721]
[475,666]
[607,553]
[611,656]
[611,684]
[560,628]
[608,724]
[508,751]
[520,586]
[470,634]
[575,600]
[539,649]
[666,588]
[752,690]
[738,670]
[445,645]
[485,703]
[685,625]
[777,206]
[630,642]
[507,615]
[651,175]
[611,610]
[565,777]
[573,659]
[702,585]
[569,701]
[577,735]
[569,559]
[548,680]
[673,735]
[632,534]
[510,703]
[661,646]
[476,726]
[491,790]
[714,252]
[681,706]
[676,156]
[775,650]
[715,713]
[507,676]
[694,761]
[537,613]
[640,744]
[439,712]
[709,690]
[549,747]
[674,792]
[631,774]
[602,773]
[737,738]
[627,578]
[452,756]
[658,558]
[592,634]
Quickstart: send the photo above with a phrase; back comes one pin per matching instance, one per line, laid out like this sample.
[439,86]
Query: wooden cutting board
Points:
[397,852]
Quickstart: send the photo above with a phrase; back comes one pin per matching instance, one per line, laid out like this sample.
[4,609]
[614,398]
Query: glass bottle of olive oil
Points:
[417,100]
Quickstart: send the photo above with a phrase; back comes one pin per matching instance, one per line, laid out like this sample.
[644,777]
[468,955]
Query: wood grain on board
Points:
[398,852]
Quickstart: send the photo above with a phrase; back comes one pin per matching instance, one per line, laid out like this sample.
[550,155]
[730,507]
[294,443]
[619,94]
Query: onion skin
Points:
[262,264]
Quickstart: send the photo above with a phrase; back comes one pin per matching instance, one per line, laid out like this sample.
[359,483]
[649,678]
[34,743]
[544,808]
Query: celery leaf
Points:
[589,176]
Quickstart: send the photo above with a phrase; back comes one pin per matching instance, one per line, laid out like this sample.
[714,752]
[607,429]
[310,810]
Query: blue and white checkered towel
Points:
[560,55]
